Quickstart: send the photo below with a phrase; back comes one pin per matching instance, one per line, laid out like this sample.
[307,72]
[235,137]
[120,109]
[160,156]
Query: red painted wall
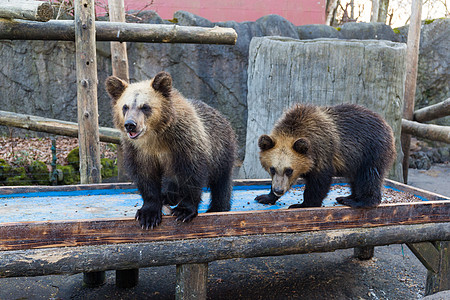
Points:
[298,12]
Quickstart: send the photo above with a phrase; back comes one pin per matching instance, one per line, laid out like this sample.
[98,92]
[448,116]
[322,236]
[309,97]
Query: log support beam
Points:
[191,282]
[435,256]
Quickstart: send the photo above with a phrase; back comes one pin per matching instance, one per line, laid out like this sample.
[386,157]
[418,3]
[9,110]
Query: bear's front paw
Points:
[184,214]
[266,199]
[148,218]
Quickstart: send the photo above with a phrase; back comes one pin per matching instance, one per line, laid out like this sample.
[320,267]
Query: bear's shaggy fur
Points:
[173,147]
[317,143]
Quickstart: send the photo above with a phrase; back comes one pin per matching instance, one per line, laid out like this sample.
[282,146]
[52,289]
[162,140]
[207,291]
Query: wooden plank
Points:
[44,234]
[28,10]
[432,112]
[415,191]
[119,62]
[86,65]
[431,132]
[427,253]
[71,260]
[440,280]
[192,281]
[53,126]
[63,30]
[412,55]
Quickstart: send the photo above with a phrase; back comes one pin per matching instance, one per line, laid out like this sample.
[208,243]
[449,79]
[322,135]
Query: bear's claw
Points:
[184,214]
[148,218]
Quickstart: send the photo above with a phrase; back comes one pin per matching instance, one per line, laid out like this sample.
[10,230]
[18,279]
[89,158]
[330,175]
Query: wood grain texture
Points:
[118,31]
[86,67]
[28,10]
[284,71]
[71,260]
[53,126]
[33,235]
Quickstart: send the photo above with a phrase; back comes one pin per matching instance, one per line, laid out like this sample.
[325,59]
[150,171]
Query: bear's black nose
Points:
[278,191]
[130,126]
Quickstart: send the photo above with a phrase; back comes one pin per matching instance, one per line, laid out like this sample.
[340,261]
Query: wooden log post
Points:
[411,76]
[88,134]
[191,282]
[435,256]
[426,131]
[86,63]
[433,112]
[53,126]
[285,71]
[119,61]
[28,10]
[62,30]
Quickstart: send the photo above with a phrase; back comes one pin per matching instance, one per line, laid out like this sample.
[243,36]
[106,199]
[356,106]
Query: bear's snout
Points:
[130,126]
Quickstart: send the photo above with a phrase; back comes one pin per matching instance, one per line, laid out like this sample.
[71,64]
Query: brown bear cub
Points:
[317,143]
[173,147]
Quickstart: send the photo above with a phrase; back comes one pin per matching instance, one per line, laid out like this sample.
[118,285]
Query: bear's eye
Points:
[146,108]
[272,171]
[125,109]
[288,172]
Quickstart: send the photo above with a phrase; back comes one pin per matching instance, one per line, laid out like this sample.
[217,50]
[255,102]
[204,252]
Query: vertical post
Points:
[119,61]
[412,58]
[192,281]
[88,135]
[374,13]
[86,63]
[363,253]
[440,280]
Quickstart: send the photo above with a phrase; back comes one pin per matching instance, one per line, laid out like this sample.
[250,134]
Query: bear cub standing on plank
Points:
[317,143]
[173,147]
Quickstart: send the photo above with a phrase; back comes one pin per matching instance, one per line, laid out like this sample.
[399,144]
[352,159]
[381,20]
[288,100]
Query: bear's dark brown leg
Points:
[316,189]
[366,189]
[149,215]
[221,193]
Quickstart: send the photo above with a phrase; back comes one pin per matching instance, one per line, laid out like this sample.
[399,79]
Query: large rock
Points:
[284,71]
[39,77]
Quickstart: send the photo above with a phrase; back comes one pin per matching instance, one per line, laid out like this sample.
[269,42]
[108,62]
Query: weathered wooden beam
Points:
[427,131]
[412,58]
[44,234]
[432,112]
[28,10]
[192,281]
[86,66]
[117,31]
[119,63]
[427,253]
[53,126]
[71,260]
[440,280]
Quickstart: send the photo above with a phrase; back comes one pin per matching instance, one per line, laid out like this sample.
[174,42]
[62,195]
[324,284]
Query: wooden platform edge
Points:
[71,260]
[45,234]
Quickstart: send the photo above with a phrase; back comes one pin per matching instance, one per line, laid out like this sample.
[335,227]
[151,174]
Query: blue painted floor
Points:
[94,204]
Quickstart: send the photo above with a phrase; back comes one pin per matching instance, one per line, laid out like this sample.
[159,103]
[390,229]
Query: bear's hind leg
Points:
[366,189]
[316,189]
[187,209]
[221,193]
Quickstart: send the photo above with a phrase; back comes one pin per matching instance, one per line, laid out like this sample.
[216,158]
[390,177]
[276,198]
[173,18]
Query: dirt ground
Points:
[393,273]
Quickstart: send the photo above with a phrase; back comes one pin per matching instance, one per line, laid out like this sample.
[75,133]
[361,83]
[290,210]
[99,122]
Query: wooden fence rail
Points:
[64,30]
[107,135]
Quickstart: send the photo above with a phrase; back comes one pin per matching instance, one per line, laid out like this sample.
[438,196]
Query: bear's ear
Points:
[265,142]
[163,83]
[115,87]
[301,146]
